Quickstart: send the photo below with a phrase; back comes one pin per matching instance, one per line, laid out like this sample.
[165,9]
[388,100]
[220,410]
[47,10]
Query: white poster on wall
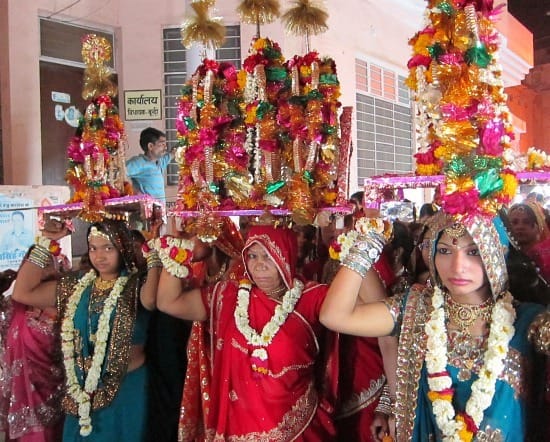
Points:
[19,220]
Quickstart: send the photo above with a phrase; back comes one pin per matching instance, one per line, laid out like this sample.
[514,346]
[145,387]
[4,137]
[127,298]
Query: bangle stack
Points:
[42,253]
[385,402]
[364,253]
[39,256]
[151,255]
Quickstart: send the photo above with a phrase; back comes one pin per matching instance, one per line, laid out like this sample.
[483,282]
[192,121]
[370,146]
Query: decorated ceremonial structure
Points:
[463,126]
[96,154]
[273,136]
[268,137]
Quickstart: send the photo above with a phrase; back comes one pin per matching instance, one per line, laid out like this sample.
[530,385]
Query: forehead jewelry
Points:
[456,231]
[94,231]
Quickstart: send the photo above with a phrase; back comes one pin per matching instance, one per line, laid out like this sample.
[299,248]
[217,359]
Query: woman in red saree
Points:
[272,363]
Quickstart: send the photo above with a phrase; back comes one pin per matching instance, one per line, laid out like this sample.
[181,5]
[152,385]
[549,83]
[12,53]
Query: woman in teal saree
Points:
[104,318]
[463,370]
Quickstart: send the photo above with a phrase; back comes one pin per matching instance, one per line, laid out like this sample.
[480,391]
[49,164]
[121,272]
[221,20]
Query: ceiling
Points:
[535,16]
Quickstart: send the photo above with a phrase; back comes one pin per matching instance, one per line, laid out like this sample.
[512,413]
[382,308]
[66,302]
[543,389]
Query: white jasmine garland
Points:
[483,389]
[346,241]
[288,302]
[174,253]
[82,396]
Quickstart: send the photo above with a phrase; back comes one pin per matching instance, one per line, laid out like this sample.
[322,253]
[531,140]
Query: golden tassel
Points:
[258,11]
[307,17]
[201,28]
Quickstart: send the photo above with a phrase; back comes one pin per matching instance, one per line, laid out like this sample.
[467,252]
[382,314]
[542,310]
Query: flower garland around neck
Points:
[174,253]
[259,356]
[463,426]
[83,396]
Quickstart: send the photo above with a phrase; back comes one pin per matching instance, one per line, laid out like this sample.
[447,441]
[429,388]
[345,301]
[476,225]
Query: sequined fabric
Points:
[31,380]
[118,350]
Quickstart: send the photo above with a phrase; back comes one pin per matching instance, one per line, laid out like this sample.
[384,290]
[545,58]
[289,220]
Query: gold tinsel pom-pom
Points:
[96,52]
[258,11]
[201,28]
[306,17]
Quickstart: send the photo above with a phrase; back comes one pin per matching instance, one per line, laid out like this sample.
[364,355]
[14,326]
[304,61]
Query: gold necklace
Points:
[276,293]
[104,284]
[464,315]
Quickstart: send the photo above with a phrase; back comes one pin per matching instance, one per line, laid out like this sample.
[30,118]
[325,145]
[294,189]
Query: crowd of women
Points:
[346,332]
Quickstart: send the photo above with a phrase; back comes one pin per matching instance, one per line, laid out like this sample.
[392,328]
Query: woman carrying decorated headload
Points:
[463,357]
[271,371]
[104,316]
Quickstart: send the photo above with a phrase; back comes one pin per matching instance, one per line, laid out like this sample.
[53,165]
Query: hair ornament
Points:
[94,231]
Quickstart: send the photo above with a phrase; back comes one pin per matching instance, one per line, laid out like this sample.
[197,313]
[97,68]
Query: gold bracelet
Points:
[39,256]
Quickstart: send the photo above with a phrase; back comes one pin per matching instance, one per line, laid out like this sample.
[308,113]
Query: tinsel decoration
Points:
[96,52]
[96,153]
[463,123]
[201,28]
[259,12]
[306,17]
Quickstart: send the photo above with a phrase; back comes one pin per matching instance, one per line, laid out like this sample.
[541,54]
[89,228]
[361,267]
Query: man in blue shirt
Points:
[147,170]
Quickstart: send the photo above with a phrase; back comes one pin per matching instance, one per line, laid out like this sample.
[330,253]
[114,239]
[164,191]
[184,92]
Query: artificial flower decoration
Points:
[96,154]
[463,122]
[264,137]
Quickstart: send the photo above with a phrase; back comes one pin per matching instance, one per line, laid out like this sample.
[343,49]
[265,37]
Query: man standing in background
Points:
[147,170]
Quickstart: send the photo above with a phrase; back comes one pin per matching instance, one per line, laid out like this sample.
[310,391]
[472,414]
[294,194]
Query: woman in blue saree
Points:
[464,357]
[104,319]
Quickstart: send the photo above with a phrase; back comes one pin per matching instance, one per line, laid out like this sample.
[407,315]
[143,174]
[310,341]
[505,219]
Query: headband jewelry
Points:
[456,231]
[94,231]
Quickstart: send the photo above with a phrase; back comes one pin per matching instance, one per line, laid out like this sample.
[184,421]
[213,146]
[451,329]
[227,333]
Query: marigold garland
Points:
[174,253]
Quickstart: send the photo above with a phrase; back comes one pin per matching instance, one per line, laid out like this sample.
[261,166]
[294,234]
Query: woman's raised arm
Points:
[29,289]
[171,299]
[341,311]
